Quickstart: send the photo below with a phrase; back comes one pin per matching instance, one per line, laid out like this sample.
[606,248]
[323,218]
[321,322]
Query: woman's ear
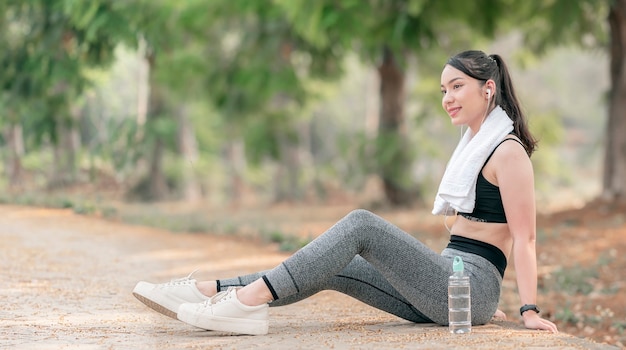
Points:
[490,89]
[491,85]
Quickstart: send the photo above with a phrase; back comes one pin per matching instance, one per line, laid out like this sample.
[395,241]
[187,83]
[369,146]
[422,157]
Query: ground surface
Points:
[66,282]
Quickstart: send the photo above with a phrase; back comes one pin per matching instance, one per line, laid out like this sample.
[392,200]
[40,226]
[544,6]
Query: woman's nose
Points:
[447,98]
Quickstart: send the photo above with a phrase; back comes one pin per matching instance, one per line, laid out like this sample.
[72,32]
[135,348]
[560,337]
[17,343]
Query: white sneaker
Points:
[166,298]
[224,312]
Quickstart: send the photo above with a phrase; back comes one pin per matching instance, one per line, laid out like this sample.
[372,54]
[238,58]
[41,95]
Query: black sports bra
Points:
[488,206]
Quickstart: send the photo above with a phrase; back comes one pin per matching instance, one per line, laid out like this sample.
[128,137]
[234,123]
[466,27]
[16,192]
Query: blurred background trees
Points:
[294,100]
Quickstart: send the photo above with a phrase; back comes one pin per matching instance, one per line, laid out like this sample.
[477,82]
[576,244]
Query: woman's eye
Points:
[443,92]
[456,86]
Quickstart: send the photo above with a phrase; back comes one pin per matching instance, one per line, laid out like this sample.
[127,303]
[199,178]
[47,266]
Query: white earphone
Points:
[488,93]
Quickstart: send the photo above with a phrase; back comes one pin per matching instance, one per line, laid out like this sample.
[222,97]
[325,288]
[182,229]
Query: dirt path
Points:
[66,283]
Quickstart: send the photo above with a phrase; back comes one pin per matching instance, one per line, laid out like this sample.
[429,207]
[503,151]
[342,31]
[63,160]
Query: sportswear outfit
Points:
[372,260]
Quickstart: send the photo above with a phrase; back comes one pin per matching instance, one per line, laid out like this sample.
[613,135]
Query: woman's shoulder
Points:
[508,161]
[511,157]
[511,145]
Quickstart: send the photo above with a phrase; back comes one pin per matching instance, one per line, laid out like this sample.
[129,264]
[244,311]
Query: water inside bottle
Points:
[459,303]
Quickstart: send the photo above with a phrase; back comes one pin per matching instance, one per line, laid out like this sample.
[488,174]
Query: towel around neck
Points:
[457,190]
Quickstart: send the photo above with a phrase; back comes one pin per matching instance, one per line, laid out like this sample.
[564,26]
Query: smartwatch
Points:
[527,307]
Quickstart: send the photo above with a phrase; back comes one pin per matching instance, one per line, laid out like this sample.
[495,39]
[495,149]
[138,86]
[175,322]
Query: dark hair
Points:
[481,67]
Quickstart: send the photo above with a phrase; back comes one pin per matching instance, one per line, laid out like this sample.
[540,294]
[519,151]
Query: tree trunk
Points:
[286,179]
[188,149]
[68,143]
[614,185]
[394,162]
[143,81]
[236,166]
[15,143]
[157,184]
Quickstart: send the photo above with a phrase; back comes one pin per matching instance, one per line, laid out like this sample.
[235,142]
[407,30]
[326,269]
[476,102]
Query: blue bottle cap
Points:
[457,265]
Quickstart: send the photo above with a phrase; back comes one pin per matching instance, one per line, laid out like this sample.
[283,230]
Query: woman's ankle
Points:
[254,294]
[208,288]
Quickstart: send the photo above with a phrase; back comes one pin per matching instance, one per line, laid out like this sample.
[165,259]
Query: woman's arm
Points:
[514,174]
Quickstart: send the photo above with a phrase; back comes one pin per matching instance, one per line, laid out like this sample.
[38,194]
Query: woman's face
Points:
[464,99]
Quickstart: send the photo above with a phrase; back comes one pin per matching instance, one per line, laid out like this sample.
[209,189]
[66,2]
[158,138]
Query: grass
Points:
[580,279]
[194,222]
[583,281]
[174,222]
[190,223]
[567,315]
[287,242]
[78,205]
[620,326]
[576,279]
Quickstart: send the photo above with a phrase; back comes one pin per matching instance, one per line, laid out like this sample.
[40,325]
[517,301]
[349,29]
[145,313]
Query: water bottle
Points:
[459,300]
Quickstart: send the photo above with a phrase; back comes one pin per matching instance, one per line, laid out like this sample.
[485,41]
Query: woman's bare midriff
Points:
[493,233]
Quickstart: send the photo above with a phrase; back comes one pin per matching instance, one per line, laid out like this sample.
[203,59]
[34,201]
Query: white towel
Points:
[457,189]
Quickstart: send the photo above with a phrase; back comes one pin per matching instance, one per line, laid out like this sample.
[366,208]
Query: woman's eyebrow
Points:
[452,80]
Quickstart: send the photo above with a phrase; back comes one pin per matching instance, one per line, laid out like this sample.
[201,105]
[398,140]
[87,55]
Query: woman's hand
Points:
[533,321]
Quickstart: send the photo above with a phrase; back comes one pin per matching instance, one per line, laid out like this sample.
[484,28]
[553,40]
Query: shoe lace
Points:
[218,297]
[179,281]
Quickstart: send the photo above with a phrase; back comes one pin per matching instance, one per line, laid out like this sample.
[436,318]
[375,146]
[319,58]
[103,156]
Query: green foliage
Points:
[620,326]
[189,223]
[575,280]
[47,47]
[394,158]
[402,25]
[563,22]
[566,315]
[549,131]
[324,24]
[579,279]
[357,152]
[251,70]
[287,242]
[261,142]
[57,39]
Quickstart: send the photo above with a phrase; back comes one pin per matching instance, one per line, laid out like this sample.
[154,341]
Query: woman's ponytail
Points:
[507,99]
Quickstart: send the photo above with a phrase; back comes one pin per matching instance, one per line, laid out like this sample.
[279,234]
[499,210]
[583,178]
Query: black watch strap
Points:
[528,307]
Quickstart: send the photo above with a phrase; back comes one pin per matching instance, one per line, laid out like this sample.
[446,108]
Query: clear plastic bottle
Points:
[459,299]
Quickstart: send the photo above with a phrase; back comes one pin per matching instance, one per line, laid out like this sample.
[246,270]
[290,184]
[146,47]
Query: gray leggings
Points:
[368,258]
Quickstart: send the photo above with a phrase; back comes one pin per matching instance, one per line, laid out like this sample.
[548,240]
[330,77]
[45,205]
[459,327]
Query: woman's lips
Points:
[453,111]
